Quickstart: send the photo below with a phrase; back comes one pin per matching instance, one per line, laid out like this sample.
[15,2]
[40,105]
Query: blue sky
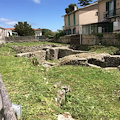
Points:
[38,13]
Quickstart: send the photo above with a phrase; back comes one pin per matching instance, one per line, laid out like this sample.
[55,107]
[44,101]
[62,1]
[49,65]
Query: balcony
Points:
[111,13]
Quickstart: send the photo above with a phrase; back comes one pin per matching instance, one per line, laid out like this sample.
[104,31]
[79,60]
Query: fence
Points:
[6,110]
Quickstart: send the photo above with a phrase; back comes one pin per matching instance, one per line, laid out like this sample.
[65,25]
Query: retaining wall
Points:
[20,39]
[63,39]
[108,39]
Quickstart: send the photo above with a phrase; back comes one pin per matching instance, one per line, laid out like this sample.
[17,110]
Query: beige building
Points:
[75,22]
[109,15]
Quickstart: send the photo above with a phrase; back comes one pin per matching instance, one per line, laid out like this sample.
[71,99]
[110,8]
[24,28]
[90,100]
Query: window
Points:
[111,8]
[74,31]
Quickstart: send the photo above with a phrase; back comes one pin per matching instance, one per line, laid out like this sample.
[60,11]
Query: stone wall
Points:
[108,39]
[20,39]
[63,39]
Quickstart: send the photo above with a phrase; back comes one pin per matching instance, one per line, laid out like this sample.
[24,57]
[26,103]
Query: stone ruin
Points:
[44,52]
[66,56]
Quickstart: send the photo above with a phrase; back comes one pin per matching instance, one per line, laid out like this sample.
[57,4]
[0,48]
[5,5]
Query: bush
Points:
[117,36]
[58,34]
[99,36]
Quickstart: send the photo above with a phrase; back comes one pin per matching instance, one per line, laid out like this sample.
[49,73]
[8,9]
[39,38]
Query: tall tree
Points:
[24,29]
[84,2]
[70,8]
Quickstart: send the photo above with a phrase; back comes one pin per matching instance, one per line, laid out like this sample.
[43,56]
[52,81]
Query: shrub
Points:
[59,33]
[34,61]
[99,36]
[117,36]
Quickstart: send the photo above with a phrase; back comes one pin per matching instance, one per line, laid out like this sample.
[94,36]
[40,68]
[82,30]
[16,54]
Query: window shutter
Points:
[107,9]
[68,20]
[114,13]
[74,19]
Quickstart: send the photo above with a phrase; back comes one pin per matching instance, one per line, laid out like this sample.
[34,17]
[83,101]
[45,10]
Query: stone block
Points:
[1,105]
[112,61]
[52,54]
[40,55]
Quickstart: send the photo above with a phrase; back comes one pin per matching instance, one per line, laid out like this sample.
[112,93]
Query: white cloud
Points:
[8,21]
[11,22]
[3,19]
[37,1]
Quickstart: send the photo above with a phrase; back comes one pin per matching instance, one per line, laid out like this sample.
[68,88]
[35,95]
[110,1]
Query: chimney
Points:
[75,8]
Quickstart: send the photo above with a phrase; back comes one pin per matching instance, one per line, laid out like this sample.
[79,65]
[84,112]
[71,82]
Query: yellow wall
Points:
[88,15]
[83,16]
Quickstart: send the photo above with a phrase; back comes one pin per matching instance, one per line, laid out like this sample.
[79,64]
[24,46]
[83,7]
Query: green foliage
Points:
[34,61]
[103,49]
[84,2]
[47,32]
[59,33]
[117,35]
[70,8]
[67,10]
[99,36]
[24,29]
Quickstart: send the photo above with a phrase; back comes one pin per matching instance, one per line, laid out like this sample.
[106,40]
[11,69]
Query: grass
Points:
[104,49]
[99,48]
[32,43]
[94,94]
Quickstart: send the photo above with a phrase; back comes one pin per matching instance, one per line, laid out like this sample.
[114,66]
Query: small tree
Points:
[47,32]
[84,2]
[24,29]
[59,33]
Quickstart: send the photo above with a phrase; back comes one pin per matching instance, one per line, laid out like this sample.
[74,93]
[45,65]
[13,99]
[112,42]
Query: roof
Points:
[95,3]
[10,28]
[37,30]
[2,28]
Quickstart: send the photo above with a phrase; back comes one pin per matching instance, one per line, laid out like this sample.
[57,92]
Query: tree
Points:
[84,2]
[59,33]
[70,8]
[47,32]
[24,29]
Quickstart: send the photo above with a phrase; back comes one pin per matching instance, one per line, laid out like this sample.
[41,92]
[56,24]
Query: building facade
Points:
[38,32]
[74,21]
[109,15]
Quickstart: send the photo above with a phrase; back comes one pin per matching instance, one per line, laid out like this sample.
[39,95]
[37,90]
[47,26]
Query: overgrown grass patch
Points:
[103,49]
[33,43]
[94,92]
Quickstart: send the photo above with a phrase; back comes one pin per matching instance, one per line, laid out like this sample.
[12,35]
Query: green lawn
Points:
[94,94]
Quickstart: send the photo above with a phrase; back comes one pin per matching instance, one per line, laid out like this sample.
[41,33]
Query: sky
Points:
[38,13]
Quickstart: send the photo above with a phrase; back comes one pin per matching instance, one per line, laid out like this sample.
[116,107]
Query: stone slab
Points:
[1,106]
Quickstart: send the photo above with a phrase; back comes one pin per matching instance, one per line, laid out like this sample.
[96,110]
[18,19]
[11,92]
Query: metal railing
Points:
[111,13]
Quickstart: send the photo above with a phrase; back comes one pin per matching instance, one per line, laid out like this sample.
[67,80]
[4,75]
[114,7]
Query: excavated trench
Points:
[67,56]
